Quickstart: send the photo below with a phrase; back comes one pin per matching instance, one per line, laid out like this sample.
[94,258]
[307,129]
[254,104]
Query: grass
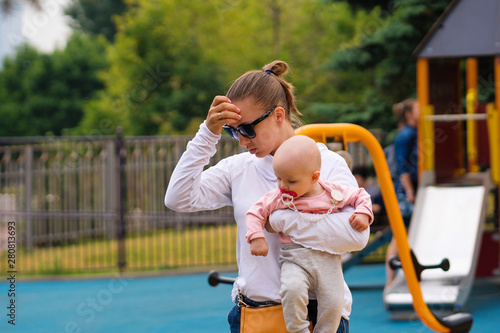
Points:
[155,250]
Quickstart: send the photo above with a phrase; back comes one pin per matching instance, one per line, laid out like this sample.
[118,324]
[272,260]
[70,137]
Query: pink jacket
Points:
[257,216]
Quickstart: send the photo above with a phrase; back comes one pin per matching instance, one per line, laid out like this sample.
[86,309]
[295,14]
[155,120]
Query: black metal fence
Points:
[96,204]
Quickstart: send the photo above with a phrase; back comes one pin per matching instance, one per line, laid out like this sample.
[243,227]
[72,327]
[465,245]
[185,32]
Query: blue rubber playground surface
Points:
[186,303]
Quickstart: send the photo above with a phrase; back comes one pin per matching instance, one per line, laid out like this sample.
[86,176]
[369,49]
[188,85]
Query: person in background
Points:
[338,148]
[361,174]
[347,157]
[407,115]
[259,111]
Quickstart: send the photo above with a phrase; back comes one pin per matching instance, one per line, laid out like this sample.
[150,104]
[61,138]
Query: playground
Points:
[448,269]
[446,246]
[171,304]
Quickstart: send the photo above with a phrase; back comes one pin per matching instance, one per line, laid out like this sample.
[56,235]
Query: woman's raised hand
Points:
[221,112]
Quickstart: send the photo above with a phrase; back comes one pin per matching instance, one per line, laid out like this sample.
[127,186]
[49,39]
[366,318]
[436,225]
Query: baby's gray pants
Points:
[304,270]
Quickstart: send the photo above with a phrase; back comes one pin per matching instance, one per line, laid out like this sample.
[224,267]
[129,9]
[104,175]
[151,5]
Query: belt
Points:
[243,300]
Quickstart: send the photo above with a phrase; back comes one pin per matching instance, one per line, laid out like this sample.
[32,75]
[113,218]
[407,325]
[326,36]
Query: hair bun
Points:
[278,67]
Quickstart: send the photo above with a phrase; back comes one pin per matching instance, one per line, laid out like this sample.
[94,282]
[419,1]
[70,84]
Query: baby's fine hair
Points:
[301,150]
[268,88]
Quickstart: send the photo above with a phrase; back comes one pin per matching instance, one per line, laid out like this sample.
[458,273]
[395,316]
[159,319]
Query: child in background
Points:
[306,267]
[361,172]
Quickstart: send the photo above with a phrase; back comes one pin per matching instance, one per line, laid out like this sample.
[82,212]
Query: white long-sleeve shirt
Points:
[239,181]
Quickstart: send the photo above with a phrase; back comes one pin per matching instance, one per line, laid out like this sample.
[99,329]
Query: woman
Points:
[259,111]
[407,115]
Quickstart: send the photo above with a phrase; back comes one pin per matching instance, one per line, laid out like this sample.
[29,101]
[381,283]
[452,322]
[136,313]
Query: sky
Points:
[46,29]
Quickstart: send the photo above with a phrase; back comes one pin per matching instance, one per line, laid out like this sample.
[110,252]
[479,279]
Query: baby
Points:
[297,164]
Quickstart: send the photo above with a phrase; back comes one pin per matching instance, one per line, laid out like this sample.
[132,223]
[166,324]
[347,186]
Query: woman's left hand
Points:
[221,112]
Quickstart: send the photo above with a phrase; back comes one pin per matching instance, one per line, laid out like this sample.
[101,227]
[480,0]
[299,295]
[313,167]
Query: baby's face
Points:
[293,180]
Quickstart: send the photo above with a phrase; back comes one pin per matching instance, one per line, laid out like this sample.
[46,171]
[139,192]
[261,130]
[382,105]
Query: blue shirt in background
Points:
[406,150]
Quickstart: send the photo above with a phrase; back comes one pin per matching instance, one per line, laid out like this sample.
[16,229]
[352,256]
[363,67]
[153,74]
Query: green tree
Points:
[382,59]
[44,93]
[301,32]
[170,58]
[159,79]
[96,17]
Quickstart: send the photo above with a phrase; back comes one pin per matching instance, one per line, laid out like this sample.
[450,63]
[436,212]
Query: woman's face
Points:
[267,132]
[416,110]
[414,115]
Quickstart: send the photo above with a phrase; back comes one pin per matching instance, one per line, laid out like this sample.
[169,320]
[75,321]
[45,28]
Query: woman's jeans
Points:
[234,317]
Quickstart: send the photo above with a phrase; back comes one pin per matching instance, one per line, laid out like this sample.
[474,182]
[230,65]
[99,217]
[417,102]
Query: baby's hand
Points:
[359,221]
[258,247]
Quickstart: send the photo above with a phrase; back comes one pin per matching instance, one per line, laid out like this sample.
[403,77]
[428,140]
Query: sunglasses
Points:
[246,130]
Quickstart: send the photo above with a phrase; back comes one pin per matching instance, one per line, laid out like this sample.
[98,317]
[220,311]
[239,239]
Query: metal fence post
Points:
[121,196]
[28,172]
[112,194]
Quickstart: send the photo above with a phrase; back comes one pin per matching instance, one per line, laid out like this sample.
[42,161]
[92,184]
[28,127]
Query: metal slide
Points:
[446,223]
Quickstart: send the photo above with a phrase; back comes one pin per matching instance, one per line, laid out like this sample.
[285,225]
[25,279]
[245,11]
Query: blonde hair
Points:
[401,109]
[269,89]
[347,157]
